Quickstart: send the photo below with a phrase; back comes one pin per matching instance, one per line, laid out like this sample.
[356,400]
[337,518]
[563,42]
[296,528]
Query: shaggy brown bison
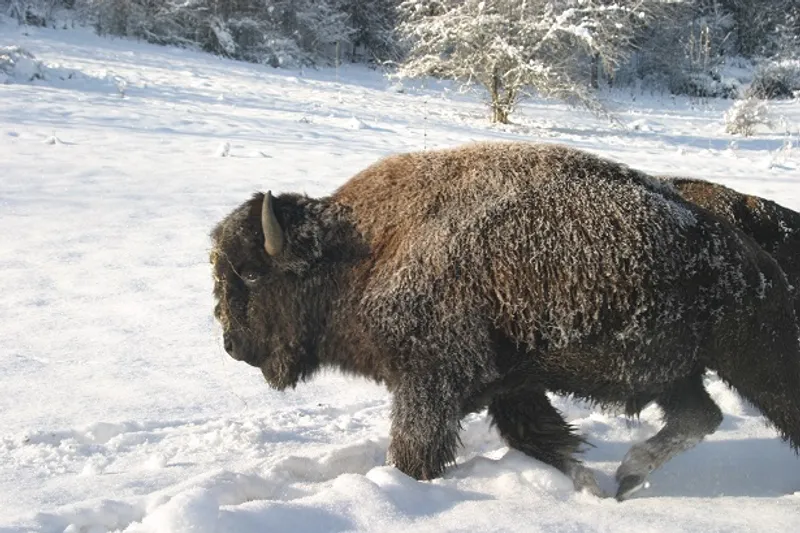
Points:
[775,228]
[487,275]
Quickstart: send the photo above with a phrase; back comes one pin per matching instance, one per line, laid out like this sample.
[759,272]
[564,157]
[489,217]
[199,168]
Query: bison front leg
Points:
[424,434]
[690,414]
[528,422]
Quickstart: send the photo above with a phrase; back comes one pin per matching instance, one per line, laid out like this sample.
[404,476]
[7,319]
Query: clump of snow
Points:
[156,461]
[100,515]
[94,466]
[357,124]
[53,139]
[644,125]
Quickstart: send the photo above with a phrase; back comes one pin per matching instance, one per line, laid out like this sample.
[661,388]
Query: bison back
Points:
[597,275]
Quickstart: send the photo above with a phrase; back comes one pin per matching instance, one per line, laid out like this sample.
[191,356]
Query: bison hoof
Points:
[584,481]
[630,484]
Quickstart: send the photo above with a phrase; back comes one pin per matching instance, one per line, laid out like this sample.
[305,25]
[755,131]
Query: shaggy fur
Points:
[774,227]
[486,275]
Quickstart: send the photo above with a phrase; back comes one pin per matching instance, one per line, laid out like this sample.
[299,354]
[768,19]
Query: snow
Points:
[120,410]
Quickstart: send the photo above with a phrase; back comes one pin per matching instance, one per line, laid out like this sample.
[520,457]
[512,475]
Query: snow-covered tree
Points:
[32,12]
[759,26]
[373,23]
[321,23]
[688,43]
[277,32]
[510,46]
[743,117]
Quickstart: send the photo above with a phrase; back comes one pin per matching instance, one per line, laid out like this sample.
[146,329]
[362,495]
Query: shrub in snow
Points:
[17,64]
[782,155]
[776,80]
[704,85]
[743,117]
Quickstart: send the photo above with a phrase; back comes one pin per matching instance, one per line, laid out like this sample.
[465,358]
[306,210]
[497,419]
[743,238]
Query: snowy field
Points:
[119,408]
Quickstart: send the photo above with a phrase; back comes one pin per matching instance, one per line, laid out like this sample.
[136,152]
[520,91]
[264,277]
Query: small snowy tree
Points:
[508,46]
[743,117]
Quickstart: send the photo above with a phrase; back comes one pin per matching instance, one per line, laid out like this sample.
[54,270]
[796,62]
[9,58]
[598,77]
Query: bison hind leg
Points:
[689,414]
[528,422]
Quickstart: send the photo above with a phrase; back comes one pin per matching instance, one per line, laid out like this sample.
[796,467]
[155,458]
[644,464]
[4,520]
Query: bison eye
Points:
[250,278]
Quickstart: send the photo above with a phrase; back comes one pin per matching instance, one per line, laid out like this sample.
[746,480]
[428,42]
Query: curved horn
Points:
[273,235]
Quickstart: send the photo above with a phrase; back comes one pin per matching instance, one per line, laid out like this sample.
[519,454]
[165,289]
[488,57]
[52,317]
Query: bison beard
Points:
[488,275]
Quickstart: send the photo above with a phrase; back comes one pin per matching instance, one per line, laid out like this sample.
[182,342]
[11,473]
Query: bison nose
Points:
[238,349]
[227,341]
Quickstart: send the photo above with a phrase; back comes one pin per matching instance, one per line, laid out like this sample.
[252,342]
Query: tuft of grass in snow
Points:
[53,140]
[224,149]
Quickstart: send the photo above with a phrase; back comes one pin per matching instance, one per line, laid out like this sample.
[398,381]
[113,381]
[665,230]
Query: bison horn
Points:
[273,235]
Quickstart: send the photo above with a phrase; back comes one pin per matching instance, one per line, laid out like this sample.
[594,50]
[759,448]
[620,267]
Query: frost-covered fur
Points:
[486,275]
[775,228]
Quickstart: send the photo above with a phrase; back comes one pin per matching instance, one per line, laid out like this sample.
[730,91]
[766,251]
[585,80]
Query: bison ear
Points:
[273,234]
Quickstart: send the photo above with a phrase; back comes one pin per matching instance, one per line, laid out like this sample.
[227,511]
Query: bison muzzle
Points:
[488,275]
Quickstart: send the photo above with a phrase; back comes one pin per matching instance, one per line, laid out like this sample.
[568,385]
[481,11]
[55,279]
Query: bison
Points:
[775,228]
[485,276]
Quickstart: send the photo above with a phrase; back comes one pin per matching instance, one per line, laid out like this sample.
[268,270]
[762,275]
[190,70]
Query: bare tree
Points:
[512,46]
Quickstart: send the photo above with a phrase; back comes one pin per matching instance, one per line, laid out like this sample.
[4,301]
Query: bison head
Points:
[266,260]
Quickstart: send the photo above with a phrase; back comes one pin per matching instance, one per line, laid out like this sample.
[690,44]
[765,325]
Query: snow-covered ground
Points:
[119,408]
